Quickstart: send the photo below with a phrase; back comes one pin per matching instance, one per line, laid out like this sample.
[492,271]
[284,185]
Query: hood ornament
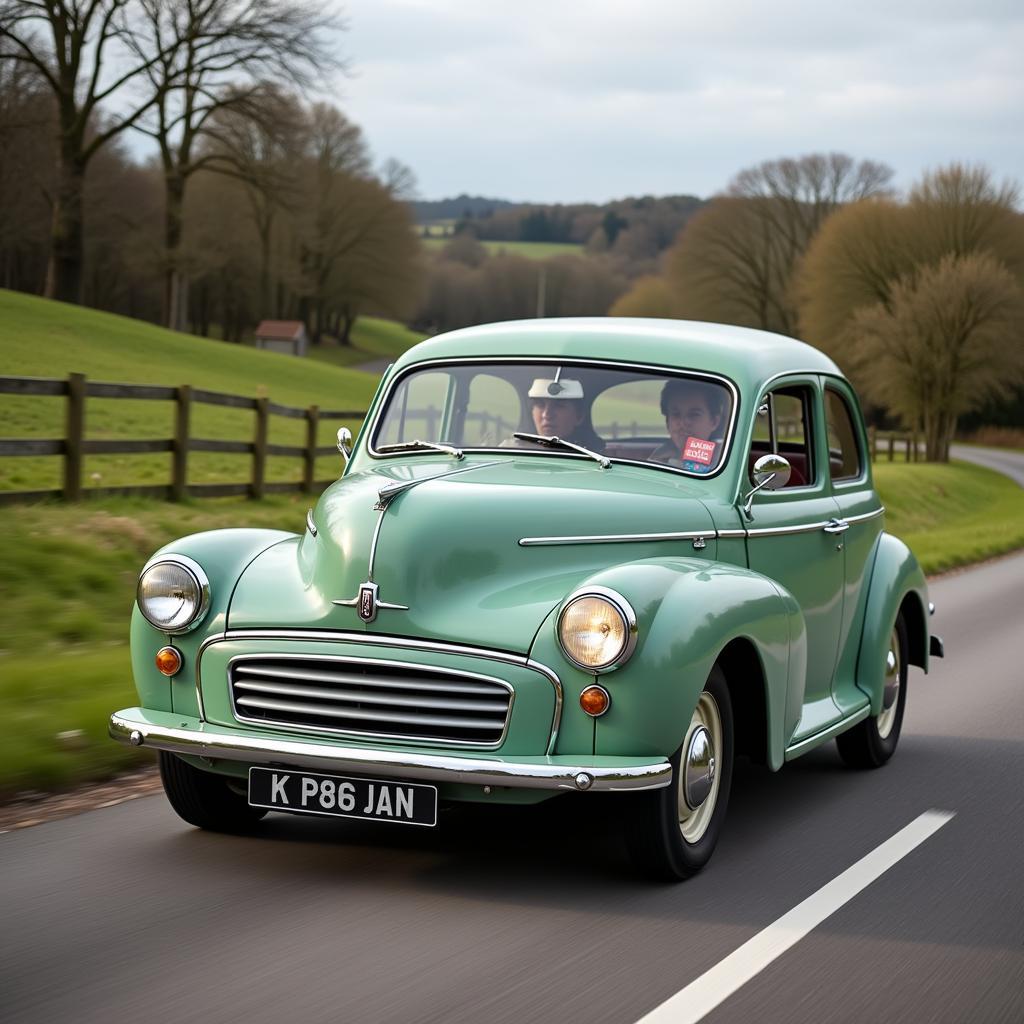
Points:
[367,603]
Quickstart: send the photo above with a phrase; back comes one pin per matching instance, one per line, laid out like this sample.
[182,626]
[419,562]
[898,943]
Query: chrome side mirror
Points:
[771,472]
[345,443]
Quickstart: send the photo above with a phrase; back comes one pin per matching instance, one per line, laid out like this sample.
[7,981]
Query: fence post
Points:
[179,458]
[911,439]
[309,459]
[873,444]
[892,445]
[259,448]
[74,435]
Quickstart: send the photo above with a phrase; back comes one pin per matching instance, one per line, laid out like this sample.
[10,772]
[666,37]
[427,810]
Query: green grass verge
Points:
[528,250]
[67,582]
[39,338]
[951,515]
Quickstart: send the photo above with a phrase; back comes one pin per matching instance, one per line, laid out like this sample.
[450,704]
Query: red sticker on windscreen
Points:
[699,450]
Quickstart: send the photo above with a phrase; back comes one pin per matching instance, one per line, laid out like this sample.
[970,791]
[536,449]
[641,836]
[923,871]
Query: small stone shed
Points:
[285,336]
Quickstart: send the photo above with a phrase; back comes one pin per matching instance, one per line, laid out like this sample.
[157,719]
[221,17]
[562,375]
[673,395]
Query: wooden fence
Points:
[74,446]
[894,443]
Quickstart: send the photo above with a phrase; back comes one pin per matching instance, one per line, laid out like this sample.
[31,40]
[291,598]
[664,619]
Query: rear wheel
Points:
[204,799]
[675,829]
[871,743]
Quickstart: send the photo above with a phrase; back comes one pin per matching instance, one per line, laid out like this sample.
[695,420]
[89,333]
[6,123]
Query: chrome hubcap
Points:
[699,768]
[890,687]
[698,775]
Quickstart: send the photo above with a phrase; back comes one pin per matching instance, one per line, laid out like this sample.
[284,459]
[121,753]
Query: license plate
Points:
[341,796]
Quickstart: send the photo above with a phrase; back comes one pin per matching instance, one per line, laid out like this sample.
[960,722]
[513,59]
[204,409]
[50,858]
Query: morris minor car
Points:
[562,556]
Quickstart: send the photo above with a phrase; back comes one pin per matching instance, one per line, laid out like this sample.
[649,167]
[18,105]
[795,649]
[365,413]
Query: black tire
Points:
[656,840]
[204,799]
[869,744]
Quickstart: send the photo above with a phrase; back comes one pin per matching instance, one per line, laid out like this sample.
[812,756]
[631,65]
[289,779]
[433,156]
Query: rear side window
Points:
[843,452]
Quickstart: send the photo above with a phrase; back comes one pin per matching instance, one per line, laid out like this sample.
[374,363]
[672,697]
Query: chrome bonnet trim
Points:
[614,538]
[201,740]
[382,640]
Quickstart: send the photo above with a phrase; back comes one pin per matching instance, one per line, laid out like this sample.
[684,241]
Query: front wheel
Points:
[204,799]
[675,829]
[871,743]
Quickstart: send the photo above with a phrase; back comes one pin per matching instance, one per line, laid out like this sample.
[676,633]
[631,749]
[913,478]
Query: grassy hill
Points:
[50,339]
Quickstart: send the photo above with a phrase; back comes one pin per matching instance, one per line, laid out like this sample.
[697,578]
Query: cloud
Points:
[563,101]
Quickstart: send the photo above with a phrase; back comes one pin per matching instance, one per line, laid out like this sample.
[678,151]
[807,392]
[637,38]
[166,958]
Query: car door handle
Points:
[836,526]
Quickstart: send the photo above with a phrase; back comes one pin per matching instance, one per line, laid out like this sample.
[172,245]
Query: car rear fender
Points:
[897,582]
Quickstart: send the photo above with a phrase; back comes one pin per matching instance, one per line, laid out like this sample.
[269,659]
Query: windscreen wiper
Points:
[408,446]
[557,442]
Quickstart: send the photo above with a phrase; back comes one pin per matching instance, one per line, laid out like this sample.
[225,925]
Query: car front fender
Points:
[688,612]
[897,582]
[223,555]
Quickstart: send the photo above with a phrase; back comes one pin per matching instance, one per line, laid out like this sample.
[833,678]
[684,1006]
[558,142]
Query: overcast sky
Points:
[570,100]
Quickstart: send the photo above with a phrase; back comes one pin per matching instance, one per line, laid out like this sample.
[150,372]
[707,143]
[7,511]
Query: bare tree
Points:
[70,43]
[225,53]
[941,345]
[737,259]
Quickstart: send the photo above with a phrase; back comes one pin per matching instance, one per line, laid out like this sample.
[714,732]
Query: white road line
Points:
[703,994]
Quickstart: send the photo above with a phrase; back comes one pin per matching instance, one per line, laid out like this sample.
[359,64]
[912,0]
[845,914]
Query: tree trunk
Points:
[175,285]
[348,322]
[64,270]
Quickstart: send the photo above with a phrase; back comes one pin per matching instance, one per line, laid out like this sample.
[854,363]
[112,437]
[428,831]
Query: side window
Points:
[784,426]
[843,453]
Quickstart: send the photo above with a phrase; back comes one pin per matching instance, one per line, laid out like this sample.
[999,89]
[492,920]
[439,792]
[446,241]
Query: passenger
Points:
[693,414]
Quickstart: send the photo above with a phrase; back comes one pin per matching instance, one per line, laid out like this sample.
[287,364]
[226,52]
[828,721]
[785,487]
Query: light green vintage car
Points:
[563,556]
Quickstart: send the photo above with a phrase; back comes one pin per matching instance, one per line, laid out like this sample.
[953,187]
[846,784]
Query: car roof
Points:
[747,356]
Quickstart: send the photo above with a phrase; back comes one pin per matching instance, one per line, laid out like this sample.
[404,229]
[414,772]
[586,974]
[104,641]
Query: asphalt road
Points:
[1003,460]
[532,915]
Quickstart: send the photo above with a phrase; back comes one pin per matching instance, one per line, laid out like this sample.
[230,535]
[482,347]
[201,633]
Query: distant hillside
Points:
[429,210]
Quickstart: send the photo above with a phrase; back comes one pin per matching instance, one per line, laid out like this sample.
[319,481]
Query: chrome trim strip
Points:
[863,517]
[615,538]
[778,531]
[202,740]
[310,525]
[404,643]
[370,429]
[626,538]
[379,663]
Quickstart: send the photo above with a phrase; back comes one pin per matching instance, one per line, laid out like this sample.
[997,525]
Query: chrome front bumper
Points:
[180,735]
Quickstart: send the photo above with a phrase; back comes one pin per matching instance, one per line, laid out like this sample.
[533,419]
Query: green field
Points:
[49,339]
[529,250]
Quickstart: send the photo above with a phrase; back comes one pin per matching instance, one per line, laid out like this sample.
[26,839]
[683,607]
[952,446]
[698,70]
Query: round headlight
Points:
[173,594]
[597,629]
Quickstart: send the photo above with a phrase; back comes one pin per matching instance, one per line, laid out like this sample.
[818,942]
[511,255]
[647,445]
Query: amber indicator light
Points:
[595,700]
[168,660]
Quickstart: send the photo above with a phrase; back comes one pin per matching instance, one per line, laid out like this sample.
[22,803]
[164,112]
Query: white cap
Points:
[543,387]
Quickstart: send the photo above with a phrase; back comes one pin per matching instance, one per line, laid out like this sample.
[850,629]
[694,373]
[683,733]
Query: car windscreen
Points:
[679,421]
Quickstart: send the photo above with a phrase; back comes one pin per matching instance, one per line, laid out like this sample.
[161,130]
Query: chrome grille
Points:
[382,699]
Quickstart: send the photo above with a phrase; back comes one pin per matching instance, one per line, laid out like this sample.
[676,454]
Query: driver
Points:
[558,409]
